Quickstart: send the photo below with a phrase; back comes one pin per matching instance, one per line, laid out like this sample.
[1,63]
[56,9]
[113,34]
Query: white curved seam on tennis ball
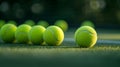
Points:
[85,31]
[53,35]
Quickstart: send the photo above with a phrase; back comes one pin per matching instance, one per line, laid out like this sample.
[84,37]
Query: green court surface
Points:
[106,53]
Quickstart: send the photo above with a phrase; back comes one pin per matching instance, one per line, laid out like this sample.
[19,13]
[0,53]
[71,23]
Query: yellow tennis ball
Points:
[36,35]
[12,22]
[29,22]
[62,24]
[85,36]
[53,36]
[21,33]
[43,23]
[7,33]
[88,23]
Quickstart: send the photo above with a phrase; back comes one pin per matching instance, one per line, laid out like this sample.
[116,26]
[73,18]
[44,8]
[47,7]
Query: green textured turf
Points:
[60,56]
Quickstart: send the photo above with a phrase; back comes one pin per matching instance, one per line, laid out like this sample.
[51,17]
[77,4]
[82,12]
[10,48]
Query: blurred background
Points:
[103,13]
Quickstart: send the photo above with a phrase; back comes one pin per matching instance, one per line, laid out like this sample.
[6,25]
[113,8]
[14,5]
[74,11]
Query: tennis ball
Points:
[30,22]
[43,23]
[88,23]
[85,36]
[12,22]
[7,33]
[53,36]
[62,24]
[21,33]
[36,34]
[2,22]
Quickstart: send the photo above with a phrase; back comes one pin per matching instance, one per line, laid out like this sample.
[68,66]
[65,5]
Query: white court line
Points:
[69,40]
[108,42]
[116,42]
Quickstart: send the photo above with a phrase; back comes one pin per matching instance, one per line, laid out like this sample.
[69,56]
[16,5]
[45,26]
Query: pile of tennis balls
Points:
[29,33]
[42,33]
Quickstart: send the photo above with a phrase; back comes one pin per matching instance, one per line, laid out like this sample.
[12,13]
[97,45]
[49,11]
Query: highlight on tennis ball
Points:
[7,33]
[62,24]
[85,36]
[36,35]
[2,22]
[21,34]
[12,22]
[29,22]
[53,36]
[88,23]
[43,23]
